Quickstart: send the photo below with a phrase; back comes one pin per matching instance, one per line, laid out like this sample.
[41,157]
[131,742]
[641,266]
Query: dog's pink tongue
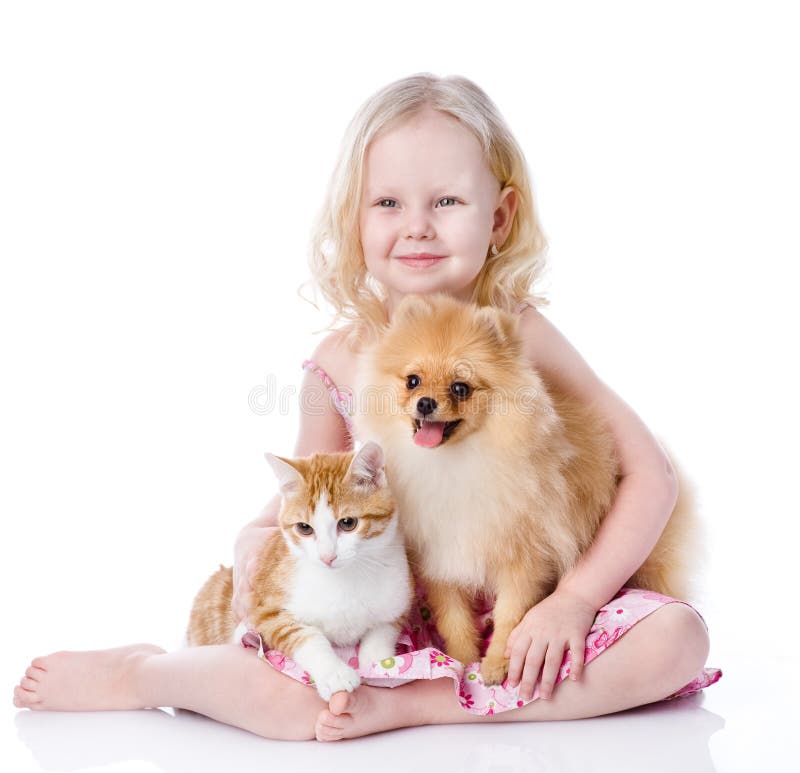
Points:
[429,435]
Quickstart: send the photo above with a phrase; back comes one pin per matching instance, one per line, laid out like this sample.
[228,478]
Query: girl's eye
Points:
[412,382]
[304,529]
[447,198]
[460,390]
[387,203]
[348,524]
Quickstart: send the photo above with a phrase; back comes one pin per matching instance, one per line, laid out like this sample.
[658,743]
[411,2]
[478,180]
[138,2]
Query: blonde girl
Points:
[430,193]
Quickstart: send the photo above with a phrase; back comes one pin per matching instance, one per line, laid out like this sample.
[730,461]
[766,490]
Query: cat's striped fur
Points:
[335,572]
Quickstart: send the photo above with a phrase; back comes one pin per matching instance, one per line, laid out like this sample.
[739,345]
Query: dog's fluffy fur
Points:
[507,499]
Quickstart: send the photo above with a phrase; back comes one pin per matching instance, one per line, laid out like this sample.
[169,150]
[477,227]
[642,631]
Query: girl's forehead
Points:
[435,150]
[431,128]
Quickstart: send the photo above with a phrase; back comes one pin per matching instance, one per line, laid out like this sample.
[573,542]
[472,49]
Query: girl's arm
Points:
[321,430]
[648,488]
[645,497]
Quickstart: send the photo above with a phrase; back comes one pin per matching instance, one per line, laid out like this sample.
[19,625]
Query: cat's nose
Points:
[426,405]
[329,559]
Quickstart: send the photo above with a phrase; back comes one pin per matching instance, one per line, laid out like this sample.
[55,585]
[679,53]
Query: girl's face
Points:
[429,192]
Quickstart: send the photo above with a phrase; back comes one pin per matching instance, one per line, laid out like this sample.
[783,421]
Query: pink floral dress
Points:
[419,653]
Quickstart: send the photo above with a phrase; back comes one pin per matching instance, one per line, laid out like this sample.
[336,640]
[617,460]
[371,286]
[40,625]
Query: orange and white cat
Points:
[501,478]
[336,572]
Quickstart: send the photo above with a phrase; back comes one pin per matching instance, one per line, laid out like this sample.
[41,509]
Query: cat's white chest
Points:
[345,603]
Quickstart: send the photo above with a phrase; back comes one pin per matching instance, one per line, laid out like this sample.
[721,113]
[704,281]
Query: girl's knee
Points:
[684,639]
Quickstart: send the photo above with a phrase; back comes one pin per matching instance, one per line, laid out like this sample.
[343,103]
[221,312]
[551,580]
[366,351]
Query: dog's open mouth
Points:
[430,434]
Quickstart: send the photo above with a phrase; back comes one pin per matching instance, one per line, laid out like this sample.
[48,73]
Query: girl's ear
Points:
[366,469]
[289,479]
[504,214]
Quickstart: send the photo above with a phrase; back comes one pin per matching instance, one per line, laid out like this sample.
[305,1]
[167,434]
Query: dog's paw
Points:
[338,678]
[465,653]
[494,670]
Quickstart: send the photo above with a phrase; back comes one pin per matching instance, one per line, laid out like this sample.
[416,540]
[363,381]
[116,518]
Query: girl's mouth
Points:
[430,434]
[422,260]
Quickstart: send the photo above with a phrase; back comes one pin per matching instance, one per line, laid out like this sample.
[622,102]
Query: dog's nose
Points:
[426,405]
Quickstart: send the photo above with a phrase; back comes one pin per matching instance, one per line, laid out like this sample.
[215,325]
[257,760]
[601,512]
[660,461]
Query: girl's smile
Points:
[420,259]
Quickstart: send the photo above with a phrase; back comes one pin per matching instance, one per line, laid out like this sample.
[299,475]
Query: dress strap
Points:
[342,399]
[522,305]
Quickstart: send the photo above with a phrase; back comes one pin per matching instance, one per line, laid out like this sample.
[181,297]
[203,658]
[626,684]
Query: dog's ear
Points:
[500,324]
[411,308]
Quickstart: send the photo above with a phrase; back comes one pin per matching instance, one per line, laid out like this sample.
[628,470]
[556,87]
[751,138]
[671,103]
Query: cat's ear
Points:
[366,469]
[289,479]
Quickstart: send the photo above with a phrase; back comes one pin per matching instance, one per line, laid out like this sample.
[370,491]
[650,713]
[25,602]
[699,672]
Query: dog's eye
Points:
[460,390]
[412,382]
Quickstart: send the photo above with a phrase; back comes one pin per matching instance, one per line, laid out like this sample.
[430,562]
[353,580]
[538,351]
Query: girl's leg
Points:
[224,682]
[657,657]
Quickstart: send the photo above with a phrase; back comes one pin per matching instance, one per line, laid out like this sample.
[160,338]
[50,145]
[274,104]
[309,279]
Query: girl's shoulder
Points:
[334,356]
[543,343]
[326,416]
[530,325]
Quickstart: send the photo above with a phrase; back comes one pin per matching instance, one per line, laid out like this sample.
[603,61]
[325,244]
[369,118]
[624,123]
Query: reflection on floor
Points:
[740,724]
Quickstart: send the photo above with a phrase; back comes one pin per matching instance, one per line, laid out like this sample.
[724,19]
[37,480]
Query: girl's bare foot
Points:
[97,680]
[364,711]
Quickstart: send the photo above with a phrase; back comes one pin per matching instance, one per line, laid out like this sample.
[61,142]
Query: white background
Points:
[160,165]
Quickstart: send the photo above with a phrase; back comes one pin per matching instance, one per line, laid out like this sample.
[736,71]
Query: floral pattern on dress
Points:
[419,655]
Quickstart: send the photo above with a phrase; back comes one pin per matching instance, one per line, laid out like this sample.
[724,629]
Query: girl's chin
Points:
[428,288]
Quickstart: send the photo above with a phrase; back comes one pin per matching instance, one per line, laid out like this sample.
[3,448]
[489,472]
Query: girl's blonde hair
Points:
[336,259]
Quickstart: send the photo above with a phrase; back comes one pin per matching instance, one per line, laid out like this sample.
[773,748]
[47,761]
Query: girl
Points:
[431,193]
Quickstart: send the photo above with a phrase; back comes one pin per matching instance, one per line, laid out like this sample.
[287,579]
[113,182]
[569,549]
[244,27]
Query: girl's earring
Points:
[494,249]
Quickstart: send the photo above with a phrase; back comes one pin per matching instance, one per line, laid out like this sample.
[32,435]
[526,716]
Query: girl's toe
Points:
[39,663]
[329,734]
[33,672]
[341,702]
[25,698]
[328,719]
[28,684]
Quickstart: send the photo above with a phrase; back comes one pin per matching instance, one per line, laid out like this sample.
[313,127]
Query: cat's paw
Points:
[370,653]
[338,678]
[494,670]
[377,645]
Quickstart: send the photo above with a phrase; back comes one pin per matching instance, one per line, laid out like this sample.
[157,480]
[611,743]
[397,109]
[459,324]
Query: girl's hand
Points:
[557,623]
[245,553]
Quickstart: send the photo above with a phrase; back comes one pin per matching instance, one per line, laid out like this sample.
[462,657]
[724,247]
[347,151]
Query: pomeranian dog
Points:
[501,479]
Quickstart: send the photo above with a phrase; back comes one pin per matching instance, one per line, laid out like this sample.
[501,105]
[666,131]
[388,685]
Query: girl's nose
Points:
[419,226]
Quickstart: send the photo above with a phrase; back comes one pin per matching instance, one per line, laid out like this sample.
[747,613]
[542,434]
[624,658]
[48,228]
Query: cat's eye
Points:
[460,390]
[348,524]
[304,529]
[412,382]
